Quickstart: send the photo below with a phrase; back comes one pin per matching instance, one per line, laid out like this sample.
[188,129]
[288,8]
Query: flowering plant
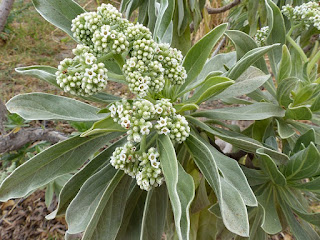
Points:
[161,143]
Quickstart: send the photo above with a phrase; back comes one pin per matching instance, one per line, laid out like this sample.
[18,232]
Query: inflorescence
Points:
[306,14]
[104,34]
[147,66]
[261,36]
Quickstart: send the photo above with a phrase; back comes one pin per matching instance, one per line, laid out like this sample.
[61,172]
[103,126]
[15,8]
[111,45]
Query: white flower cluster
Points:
[149,66]
[171,60]
[142,166]
[306,13]
[261,36]
[82,75]
[140,116]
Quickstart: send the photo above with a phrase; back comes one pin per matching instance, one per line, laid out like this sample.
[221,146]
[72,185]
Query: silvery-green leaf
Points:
[62,158]
[180,186]
[59,12]
[43,106]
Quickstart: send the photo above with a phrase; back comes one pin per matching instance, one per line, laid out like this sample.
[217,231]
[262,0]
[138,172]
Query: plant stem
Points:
[294,44]
[143,144]
[119,59]
[105,57]
[313,62]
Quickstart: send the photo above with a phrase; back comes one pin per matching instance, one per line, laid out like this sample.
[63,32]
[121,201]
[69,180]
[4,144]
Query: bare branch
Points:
[5,8]
[224,8]
[14,141]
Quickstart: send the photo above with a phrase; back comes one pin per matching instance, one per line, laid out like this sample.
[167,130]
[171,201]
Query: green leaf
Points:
[45,73]
[312,186]
[72,187]
[298,113]
[315,107]
[284,129]
[269,167]
[198,54]
[102,97]
[62,158]
[303,164]
[233,209]
[106,220]
[284,90]
[243,44]
[304,94]
[239,140]
[256,111]
[285,65]
[245,86]
[103,126]
[217,63]
[270,221]
[83,206]
[185,107]
[59,12]
[247,60]
[303,128]
[277,33]
[43,106]
[132,219]
[164,19]
[180,186]
[295,226]
[210,88]
[233,174]
[313,218]
[304,140]
[155,213]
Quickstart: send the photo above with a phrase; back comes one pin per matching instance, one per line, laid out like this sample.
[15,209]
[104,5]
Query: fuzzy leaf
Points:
[59,12]
[72,187]
[43,106]
[83,206]
[180,186]
[247,60]
[106,220]
[198,54]
[103,126]
[45,73]
[62,158]
[256,111]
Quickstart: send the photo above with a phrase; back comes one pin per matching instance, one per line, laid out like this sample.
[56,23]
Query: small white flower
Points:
[162,122]
[90,73]
[165,131]
[152,157]
[155,164]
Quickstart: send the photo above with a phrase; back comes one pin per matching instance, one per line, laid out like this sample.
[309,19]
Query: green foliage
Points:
[257,189]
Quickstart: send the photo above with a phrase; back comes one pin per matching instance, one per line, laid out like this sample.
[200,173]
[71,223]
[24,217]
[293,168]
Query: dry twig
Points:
[224,8]
[14,141]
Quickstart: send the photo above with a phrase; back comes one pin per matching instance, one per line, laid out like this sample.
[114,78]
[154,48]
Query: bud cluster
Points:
[143,166]
[306,13]
[148,66]
[261,36]
[141,116]
[82,75]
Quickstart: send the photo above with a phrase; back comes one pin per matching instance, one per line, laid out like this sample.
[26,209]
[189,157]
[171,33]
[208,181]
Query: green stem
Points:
[119,59]
[294,44]
[150,142]
[120,78]
[297,48]
[312,63]
[143,143]
[105,57]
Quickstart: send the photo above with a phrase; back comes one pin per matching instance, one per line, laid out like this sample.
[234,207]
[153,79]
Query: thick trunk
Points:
[5,8]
